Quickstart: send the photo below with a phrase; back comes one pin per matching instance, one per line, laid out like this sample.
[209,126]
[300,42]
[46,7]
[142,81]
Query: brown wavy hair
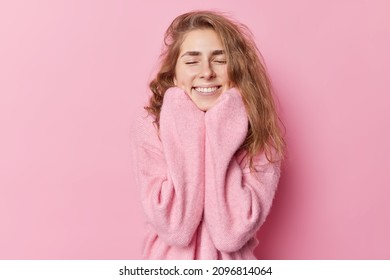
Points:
[246,70]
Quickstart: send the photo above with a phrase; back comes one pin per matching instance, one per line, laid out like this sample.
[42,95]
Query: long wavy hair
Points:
[246,70]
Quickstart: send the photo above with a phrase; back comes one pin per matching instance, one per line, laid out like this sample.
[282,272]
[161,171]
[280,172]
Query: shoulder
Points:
[144,132]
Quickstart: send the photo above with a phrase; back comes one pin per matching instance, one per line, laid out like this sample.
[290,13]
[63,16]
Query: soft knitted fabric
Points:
[200,198]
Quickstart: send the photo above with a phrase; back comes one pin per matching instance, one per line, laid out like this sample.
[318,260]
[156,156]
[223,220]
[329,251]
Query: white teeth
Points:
[206,89]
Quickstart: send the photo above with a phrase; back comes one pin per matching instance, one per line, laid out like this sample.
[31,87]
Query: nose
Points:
[207,71]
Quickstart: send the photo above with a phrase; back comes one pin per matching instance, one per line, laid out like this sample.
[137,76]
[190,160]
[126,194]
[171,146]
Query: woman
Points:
[208,152]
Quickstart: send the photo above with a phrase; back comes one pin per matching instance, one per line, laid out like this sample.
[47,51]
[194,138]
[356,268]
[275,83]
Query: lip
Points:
[207,93]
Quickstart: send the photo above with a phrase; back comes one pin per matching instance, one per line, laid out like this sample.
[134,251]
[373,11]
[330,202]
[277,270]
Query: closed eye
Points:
[191,62]
[220,59]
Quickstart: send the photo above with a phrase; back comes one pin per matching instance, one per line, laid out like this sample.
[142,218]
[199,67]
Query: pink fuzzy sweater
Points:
[200,199]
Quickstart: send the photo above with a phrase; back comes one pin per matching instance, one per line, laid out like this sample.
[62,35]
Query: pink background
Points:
[73,75]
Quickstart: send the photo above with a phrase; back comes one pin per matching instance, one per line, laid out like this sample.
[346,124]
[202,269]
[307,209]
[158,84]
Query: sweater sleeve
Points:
[237,200]
[170,172]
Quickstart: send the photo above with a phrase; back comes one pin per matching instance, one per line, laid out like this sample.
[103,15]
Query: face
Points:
[201,68]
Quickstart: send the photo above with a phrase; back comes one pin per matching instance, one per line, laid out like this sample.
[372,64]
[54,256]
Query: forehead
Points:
[201,40]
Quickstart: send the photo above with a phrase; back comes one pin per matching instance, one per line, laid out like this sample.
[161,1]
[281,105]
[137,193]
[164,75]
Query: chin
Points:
[205,103]
[204,107]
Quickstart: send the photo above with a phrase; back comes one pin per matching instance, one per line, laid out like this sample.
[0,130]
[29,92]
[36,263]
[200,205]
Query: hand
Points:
[227,121]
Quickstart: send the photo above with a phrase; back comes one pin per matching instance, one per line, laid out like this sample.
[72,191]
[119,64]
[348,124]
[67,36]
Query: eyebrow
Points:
[195,53]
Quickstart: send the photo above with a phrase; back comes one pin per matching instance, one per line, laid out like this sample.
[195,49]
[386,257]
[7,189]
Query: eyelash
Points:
[217,61]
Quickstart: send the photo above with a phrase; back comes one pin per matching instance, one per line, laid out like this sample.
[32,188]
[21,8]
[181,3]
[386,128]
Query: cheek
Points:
[185,77]
[225,73]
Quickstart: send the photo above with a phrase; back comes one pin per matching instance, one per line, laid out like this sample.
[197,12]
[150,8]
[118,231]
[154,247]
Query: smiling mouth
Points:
[206,90]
